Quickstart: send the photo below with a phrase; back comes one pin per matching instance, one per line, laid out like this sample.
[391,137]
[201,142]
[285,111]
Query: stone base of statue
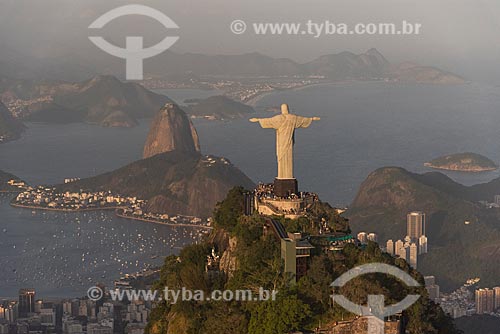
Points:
[285,187]
[274,199]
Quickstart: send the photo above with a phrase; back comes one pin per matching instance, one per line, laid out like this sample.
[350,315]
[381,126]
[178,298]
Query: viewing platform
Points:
[294,206]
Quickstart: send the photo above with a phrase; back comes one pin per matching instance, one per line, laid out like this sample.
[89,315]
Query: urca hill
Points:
[175,178]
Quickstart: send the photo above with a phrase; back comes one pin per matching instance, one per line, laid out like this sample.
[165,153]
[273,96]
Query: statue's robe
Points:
[285,125]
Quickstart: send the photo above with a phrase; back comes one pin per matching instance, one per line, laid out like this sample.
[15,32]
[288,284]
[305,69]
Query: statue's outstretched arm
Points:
[304,122]
[268,123]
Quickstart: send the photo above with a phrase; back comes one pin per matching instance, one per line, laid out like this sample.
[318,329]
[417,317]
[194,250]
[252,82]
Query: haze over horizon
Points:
[456,35]
[150,160]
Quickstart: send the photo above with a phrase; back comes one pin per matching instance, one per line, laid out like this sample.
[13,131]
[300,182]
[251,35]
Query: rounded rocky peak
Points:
[171,130]
[171,107]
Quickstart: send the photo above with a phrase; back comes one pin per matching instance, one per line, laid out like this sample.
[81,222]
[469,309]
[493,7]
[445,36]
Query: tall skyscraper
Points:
[399,249]
[432,287]
[390,247]
[422,245]
[491,300]
[429,280]
[402,251]
[407,241]
[497,199]
[413,255]
[485,301]
[497,297]
[66,307]
[12,312]
[480,295]
[362,237]
[373,237]
[26,302]
[415,225]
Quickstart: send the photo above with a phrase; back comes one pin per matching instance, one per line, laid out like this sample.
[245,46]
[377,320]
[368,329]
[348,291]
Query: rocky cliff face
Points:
[227,246]
[228,260]
[171,130]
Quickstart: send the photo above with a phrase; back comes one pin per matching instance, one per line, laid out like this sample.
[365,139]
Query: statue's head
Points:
[284,109]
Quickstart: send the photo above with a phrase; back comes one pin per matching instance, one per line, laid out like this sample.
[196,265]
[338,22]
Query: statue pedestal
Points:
[285,187]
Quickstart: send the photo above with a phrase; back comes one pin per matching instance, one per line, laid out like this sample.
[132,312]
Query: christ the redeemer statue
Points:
[285,125]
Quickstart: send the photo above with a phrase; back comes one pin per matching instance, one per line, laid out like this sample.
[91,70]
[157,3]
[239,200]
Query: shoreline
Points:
[258,97]
[483,170]
[117,214]
[31,207]
[252,102]
[161,223]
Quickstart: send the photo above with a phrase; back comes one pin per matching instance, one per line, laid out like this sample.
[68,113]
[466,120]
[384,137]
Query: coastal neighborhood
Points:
[239,90]
[48,198]
[21,108]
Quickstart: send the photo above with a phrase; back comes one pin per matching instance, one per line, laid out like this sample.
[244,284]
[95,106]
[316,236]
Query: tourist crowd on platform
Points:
[266,191]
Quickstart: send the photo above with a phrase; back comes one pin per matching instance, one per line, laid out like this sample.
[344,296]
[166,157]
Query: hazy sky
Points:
[456,34]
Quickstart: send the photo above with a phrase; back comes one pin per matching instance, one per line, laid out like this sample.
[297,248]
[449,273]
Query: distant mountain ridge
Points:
[411,72]
[349,65]
[458,250]
[340,66]
[103,100]
[246,65]
[16,64]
